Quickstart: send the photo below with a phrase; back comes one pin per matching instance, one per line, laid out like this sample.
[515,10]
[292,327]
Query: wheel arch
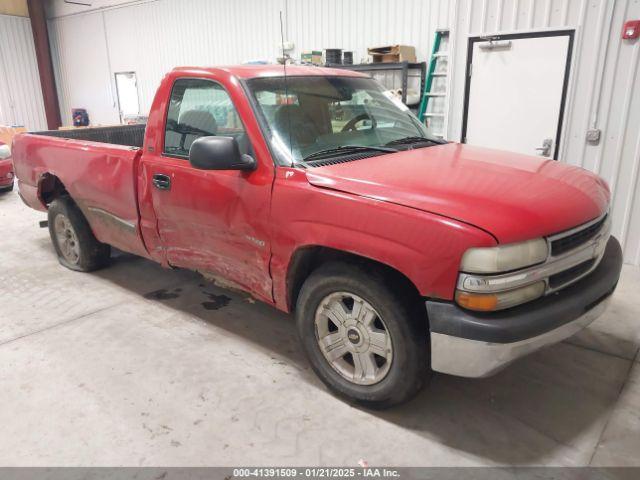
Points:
[305,260]
[50,187]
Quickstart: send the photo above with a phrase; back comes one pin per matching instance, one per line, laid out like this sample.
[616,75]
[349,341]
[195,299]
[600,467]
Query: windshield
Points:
[317,114]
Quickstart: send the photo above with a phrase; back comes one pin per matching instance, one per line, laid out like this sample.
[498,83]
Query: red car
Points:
[6,168]
[320,194]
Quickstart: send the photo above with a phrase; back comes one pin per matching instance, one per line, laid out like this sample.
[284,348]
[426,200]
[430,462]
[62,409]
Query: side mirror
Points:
[5,152]
[219,153]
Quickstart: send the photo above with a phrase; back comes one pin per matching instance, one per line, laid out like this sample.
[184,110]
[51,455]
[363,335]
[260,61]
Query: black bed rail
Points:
[128,135]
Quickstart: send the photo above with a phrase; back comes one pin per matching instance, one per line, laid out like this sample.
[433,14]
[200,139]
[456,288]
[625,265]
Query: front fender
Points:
[425,247]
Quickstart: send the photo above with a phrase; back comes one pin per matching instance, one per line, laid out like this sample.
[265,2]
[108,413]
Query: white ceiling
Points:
[59,8]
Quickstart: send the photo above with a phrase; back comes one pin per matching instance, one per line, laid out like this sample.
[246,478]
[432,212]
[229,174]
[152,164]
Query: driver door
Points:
[213,221]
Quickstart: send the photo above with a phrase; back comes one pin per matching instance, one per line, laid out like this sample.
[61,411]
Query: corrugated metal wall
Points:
[359,24]
[21,100]
[604,89]
[81,66]
[153,36]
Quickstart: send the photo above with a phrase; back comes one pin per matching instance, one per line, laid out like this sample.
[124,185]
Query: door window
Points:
[200,108]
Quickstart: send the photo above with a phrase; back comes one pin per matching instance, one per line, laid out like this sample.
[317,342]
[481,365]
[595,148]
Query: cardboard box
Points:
[393,54]
[7,133]
[313,57]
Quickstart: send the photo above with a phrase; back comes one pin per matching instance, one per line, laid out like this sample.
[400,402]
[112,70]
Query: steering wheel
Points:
[350,126]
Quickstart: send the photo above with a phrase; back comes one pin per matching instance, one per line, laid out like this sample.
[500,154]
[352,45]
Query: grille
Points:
[565,244]
[570,274]
[323,162]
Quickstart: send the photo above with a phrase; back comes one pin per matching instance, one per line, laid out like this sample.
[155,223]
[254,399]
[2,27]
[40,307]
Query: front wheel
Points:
[362,338]
[72,238]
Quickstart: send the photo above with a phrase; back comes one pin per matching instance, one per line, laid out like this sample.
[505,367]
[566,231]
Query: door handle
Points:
[545,149]
[161,181]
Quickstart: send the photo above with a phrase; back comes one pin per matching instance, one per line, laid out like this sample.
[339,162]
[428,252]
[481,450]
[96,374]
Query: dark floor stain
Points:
[163,294]
[217,301]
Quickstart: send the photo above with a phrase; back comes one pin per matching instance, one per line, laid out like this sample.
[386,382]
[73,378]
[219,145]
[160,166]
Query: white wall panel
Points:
[604,89]
[21,100]
[359,24]
[152,37]
[81,66]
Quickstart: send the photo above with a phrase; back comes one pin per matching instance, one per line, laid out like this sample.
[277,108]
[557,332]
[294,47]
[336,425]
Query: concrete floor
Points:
[136,365]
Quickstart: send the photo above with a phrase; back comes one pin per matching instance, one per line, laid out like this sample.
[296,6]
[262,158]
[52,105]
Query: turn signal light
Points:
[475,301]
[487,302]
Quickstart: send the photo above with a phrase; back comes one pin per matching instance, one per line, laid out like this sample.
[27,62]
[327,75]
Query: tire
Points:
[395,376]
[76,246]
[7,189]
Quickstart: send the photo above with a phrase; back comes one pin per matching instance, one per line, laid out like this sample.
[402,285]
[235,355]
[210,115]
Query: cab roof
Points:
[259,71]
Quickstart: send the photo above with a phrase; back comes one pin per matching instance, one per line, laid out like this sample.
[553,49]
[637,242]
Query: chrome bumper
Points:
[472,358]
[476,344]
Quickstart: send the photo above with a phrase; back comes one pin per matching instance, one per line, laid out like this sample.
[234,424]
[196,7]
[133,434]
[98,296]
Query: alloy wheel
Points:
[353,338]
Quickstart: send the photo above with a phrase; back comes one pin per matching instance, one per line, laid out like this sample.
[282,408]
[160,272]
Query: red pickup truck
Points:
[321,194]
[6,168]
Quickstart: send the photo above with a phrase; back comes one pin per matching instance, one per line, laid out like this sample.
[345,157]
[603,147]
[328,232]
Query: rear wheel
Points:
[362,338]
[72,238]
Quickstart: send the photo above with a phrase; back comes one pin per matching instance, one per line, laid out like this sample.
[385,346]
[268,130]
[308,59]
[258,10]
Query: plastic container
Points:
[333,56]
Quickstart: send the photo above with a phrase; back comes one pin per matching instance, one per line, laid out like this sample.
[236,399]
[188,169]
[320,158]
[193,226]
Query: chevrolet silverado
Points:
[318,192]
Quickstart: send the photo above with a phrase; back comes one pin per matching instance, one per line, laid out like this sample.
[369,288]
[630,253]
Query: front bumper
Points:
[6,173]
[6,177]
[473,344]
[5,182]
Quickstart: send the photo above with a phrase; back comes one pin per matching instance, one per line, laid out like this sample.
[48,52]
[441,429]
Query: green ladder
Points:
[437,55]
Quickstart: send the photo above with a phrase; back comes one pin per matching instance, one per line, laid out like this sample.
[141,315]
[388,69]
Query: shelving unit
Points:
[406,71]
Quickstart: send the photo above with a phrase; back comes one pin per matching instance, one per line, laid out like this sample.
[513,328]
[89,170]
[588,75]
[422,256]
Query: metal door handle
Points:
[161,181]
[545,149]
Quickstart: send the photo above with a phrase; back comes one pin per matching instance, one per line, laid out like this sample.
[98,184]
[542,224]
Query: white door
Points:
[128,102]
[516,91]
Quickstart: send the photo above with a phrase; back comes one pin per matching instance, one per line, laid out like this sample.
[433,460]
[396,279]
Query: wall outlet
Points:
[593,136]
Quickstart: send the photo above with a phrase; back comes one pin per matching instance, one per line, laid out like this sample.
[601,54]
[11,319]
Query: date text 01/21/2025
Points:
[316,472]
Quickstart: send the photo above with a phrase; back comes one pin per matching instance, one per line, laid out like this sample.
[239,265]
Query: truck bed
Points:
[99,169]
[126,135]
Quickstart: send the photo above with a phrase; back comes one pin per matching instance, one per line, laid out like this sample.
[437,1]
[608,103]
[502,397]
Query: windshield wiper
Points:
[344,149]
[413,140]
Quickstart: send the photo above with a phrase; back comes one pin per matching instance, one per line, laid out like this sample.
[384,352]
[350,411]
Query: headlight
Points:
[5,152]
[484,286]
[487,302]
[504,258]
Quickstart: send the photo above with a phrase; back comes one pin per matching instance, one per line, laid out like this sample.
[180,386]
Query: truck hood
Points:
[514,197]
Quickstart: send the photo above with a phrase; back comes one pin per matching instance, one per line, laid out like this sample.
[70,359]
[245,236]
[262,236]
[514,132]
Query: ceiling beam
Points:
[45,66]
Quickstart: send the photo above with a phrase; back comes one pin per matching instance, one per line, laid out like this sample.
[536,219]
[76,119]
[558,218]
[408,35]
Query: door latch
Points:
[545,149]
[161,181]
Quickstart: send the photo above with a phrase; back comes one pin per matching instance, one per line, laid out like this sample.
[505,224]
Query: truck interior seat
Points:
[291,121]
[195,124]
